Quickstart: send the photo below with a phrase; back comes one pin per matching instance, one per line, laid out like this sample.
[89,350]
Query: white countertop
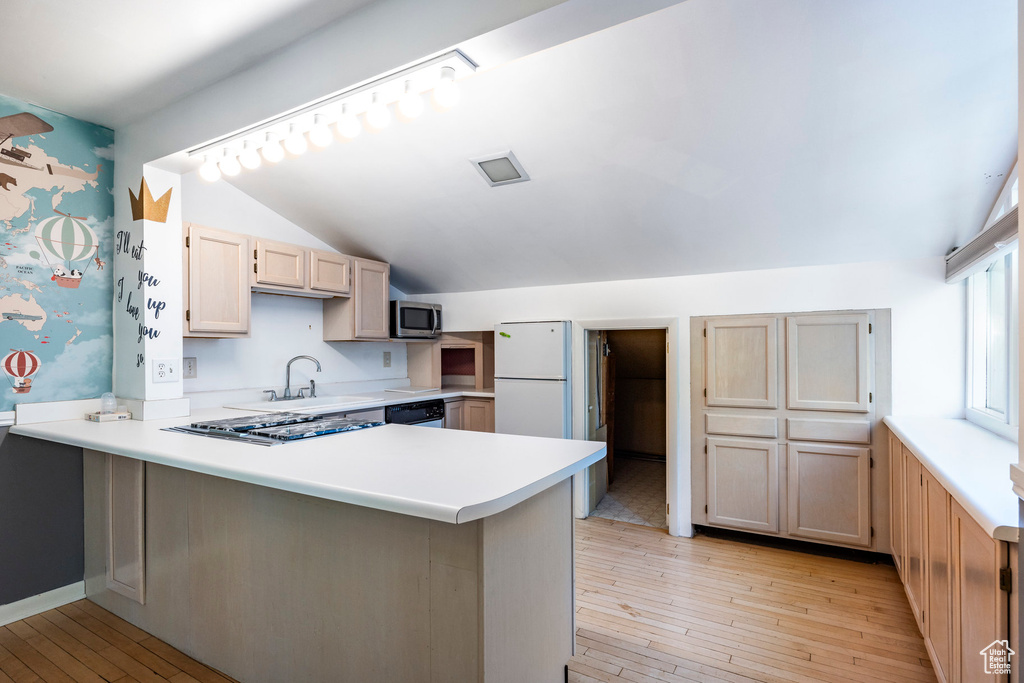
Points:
[971,463]
[441,474]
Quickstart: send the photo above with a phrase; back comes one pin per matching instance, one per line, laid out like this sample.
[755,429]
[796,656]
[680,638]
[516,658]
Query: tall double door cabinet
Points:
[783,424]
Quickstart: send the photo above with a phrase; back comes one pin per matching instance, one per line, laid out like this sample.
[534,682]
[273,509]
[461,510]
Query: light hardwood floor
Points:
[85,643]
[652,607]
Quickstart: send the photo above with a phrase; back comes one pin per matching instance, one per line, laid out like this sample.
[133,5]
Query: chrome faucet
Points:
[288,381]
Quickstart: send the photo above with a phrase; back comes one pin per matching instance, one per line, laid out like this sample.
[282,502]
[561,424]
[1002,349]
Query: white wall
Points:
[375,39]
[282,326]
[928,326]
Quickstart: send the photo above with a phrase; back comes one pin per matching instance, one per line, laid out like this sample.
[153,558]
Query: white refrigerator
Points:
[532,367]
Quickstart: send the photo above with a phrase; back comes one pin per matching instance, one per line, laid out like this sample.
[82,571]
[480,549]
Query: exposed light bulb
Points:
[229,164]
[320,134]
[348,125]
[411,104]
[209,171]
[295,143]
[446,92]
[378,115]
[271,149]
[249,158]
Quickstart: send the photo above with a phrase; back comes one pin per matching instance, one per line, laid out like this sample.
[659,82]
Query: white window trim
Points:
[1008,428]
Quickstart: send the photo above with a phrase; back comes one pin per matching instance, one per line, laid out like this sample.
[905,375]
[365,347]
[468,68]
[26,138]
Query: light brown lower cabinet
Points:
[470,414]
[938,612]
[454,412]
[952,571]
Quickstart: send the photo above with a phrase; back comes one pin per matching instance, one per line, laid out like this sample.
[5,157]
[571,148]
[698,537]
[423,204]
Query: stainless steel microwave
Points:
[414,320]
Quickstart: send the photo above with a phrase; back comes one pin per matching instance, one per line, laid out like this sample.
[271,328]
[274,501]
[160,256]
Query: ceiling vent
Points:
[500,169]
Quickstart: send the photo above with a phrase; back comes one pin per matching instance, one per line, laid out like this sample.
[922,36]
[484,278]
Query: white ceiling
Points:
[113,61]
[715,135]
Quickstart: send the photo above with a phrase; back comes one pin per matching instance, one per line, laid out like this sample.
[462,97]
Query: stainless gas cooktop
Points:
[271,429]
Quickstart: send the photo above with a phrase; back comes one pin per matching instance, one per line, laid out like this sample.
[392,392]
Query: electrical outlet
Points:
[387,359]
[188,368]
[165,370]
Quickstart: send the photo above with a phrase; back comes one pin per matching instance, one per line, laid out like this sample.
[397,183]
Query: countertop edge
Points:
[966,499]
[470,513]
[415,507]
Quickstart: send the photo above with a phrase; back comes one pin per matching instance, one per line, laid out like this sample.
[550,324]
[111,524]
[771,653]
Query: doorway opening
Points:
[627,397]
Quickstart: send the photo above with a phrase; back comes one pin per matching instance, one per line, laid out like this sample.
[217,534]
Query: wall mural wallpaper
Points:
[56,223]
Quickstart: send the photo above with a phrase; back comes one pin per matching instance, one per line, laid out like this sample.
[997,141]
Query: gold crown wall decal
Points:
[144,207]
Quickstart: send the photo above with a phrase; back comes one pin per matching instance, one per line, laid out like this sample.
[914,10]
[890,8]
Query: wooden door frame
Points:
[677,477]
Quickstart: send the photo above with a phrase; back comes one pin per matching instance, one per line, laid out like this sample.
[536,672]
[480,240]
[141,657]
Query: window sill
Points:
[992,424]
[971,463]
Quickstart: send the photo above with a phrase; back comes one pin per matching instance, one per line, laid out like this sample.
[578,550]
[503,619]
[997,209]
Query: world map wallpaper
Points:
[56,225]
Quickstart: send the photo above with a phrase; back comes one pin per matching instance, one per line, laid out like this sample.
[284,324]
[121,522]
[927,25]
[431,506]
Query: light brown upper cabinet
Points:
[363,316]
[216,278]
[741,363]
[280,264]
[330,272]
[827,364]
[743,484]
[281,268]
[829,493]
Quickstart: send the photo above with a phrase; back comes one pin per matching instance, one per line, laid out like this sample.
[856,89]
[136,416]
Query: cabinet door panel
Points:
[827,362]
[979,607]
[454,411]
[126,527]
[897,513]
[743,484]
[280,264]
[371,299]
[479,415]
[218,281]
[330,272]
[914,533]
[938,611]
[742,366]
[830,493]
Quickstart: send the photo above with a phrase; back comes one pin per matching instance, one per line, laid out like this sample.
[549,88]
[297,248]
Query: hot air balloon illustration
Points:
[20,366]
[65,239]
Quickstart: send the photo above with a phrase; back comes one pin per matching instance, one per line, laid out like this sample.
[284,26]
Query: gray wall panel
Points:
[41,524]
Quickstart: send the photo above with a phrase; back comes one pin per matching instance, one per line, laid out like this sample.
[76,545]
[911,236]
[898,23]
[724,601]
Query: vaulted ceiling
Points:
[714,135]
[112,61]
[710,136]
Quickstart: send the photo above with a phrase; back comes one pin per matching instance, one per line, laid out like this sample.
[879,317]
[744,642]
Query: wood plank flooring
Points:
[652,607]
[84,643]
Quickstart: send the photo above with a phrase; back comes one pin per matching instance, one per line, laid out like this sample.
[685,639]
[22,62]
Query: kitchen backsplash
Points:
[284,327]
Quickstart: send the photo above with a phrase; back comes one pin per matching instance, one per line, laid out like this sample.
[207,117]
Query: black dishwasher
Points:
[420,413]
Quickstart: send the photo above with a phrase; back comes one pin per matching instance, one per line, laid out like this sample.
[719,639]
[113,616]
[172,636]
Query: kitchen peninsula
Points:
[394,553]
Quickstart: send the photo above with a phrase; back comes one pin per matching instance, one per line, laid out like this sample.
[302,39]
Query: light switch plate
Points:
[188,368]
[387,359]
[165,370]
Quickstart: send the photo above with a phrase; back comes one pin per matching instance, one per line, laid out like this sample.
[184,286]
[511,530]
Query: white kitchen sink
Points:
[305,405]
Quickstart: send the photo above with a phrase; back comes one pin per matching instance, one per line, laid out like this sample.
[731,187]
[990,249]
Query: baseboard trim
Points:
[37,604]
